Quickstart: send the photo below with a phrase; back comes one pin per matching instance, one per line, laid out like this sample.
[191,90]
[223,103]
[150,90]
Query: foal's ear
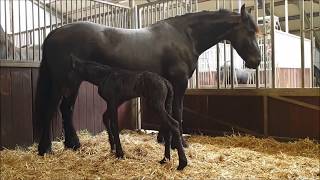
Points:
[244,14]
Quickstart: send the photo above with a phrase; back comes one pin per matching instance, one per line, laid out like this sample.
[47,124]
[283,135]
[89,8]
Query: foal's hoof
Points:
[44,149]
[182,165]
[119,155]
[72,144]
[164,160]
[160,138]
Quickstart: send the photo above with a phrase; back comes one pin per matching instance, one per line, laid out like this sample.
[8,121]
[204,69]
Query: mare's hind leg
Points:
[67,108]
[46,115]
[107,123]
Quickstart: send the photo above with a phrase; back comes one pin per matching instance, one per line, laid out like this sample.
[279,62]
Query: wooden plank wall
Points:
[213,112]
[17,92]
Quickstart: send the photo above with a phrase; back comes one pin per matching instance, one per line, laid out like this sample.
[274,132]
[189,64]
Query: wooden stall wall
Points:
[281,113]
[17,92]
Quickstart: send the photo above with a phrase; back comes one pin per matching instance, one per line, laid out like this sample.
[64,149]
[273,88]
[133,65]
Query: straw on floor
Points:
[220,157]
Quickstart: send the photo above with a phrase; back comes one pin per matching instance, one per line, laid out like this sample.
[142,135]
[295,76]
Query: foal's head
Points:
[243,39]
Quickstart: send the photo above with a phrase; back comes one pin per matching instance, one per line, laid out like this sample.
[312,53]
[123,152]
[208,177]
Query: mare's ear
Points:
[244,14]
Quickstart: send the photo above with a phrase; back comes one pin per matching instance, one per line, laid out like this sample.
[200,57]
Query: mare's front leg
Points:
[107,123]
[67,108]
[113,108]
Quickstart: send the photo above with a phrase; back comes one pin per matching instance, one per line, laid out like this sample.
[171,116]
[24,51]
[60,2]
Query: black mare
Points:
[169,48]
[116,86]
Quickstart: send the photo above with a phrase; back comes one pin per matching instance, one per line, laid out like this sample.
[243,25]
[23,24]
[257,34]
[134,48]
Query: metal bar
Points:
[76,19]
[95,12]
[286,15]
[100,15]
[257,79]
[176,7]
[272,44]
[44,20]
[56,12]
[312,44]
[104,15]
[231,56]
[39,33]
[90,11]
[67,21]
[33,41]
[26,16]
[218,66]
[225,72]
[302,35]
[50,15]
[81,8]
[20,52]
[6,29]
[12,30]
[61,11]
[71,11]
[264,42]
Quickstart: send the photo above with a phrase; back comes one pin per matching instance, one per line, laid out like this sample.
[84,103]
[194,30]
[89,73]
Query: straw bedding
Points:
[230,157]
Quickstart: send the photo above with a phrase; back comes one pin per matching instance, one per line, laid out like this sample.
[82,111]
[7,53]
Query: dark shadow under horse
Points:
[169,48]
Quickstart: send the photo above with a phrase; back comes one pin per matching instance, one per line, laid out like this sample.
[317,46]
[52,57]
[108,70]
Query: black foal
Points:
[116,86]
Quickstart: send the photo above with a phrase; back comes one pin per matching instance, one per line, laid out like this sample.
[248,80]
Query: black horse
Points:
[169,48]
[116,86]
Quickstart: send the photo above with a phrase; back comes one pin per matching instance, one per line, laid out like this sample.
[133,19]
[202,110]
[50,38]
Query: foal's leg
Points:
[167,143]
[115,129]
[46,112]
[107,124]
[67,108]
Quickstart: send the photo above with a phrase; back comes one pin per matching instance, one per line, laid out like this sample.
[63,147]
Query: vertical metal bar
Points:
[44,20]
[76,19]
[81,8]
[176,7]
[39,33]
[218,66]
[26,16]
[86,8]
[71,11]
[12,30]
[312,44]
[50,15]
[6,29]
[33,38]
[272,44]
[302,41]
[264,42]
[256,18]
[104,14]
[95,12]
[90,11]
[20,52]
[225,72]
[286,15]
[231,56]
[61,11]
[56,13]
[100,19]
[196,2]
[67,20]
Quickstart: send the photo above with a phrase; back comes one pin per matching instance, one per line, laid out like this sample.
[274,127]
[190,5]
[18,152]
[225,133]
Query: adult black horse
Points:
[170,48]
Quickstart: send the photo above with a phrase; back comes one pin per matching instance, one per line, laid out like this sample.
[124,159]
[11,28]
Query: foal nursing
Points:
[116,86]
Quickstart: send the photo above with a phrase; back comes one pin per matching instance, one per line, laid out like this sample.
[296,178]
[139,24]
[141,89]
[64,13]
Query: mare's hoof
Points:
[182,165]
[73,143]
[164,160]
[44,149]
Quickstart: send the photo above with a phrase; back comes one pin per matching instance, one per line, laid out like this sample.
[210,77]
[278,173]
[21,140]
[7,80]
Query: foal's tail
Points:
[169,99]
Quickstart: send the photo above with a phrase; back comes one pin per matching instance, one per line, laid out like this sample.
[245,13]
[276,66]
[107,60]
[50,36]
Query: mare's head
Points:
[243,39]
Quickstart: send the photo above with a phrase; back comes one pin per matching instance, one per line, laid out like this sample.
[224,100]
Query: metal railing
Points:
[36,18]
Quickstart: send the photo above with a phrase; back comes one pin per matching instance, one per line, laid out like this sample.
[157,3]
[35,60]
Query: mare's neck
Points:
[206,29]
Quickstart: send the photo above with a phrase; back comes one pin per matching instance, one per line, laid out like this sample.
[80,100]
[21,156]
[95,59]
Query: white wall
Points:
[288,53]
